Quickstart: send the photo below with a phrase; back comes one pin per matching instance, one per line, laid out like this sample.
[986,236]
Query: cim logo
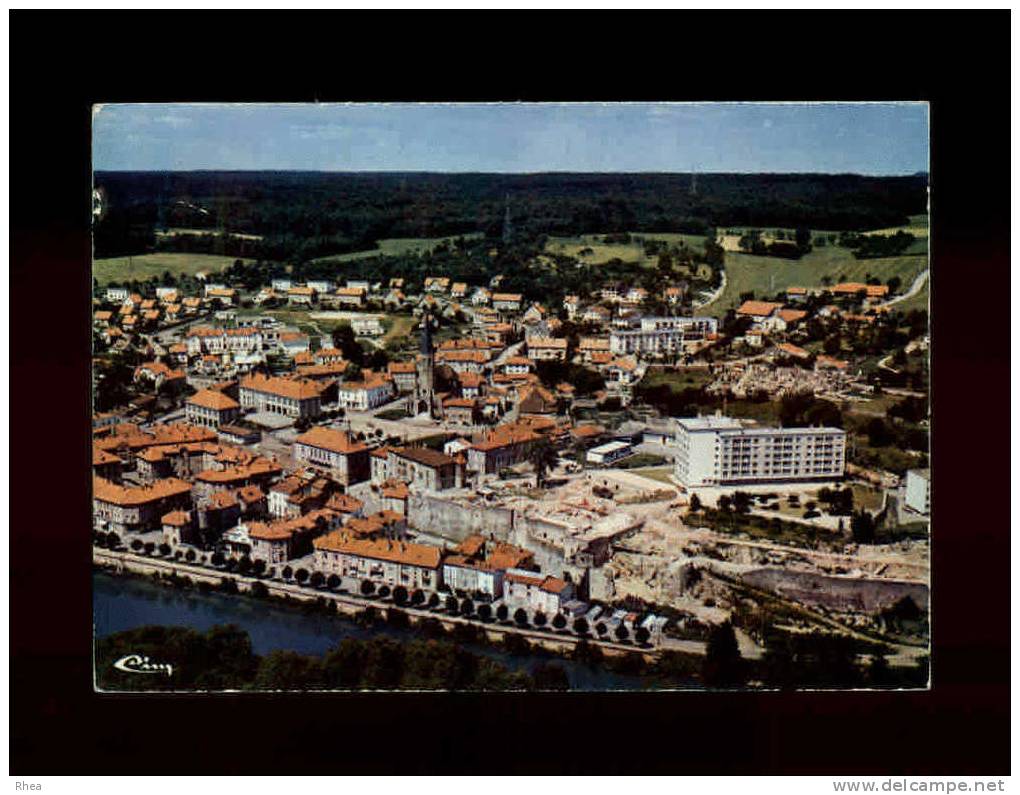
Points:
[140,664]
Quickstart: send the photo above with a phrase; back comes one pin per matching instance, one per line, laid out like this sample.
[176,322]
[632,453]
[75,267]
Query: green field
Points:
[145,266]
[765,276]
[633,252]
[919,301]
[677,380]
[398,246]
[661,474]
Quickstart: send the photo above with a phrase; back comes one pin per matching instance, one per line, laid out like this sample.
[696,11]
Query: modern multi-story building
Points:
[662,334]
[917,493]
[723,451]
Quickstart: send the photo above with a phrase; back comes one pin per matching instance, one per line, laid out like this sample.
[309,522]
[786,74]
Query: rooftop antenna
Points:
[507,228]
[694,182]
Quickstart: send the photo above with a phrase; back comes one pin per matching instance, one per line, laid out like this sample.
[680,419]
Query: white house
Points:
[367,394]
[367,327]
[533,591]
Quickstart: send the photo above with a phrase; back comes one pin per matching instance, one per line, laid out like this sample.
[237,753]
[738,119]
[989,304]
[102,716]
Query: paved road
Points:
[915,288]
[714,296]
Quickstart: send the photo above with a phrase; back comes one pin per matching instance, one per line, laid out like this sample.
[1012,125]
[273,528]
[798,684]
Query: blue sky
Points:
[885,138]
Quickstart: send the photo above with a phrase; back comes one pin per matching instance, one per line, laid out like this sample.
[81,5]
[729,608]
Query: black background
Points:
[63,62]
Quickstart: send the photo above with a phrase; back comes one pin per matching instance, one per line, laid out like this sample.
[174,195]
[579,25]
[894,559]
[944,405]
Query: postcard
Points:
[510,396]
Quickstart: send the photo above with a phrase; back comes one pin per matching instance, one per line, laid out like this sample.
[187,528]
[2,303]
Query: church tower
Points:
[425,385]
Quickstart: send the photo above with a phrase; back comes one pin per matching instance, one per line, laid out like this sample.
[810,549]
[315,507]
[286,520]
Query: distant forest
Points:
[303,215]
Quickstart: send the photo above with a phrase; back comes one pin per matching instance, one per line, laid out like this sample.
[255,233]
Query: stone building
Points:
[347,460]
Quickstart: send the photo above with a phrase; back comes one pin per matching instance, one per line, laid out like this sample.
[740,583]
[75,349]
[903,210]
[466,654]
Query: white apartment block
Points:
[116,295]
[722,451]
[917,493]
[662,334]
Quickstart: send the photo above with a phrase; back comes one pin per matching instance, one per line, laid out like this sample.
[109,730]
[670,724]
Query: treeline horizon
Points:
[303,215]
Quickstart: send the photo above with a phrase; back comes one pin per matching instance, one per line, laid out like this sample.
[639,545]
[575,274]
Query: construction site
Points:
[623,535]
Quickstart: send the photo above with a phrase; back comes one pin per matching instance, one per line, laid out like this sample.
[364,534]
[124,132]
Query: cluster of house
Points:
[132,313]
[768,317]
[194,488]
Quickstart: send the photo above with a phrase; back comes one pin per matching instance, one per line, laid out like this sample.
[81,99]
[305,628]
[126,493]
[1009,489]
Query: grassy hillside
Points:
[144,266]
[395,247]
[627,252]
[765,276]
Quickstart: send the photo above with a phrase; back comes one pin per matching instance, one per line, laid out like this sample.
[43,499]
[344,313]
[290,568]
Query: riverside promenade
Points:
[556,641]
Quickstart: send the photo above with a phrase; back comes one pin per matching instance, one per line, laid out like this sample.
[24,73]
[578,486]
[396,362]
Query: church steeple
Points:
[426,346]
[425,384]
[507,226]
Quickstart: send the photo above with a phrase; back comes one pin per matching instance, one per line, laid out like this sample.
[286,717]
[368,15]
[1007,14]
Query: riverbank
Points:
[125,602]
[348,605]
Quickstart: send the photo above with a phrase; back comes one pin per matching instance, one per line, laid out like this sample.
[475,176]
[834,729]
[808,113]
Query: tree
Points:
[641,636]
[550,676]
[332,582]
[244,565]
[543,458]
[287,572]
[502,612]
[467,607]
[367,587]
[622,633]
[301,576]
[189,555]
[137,545]
[601,628]
[484,612]
[581,625]
[723,666]
[695,503]
[384,591]
[521,616]
[400,595]
[862,527]
[259,589]
[538,619]
[317,579]
[149,547]
[259,566]
[433,601]
[417,597]
[451,604]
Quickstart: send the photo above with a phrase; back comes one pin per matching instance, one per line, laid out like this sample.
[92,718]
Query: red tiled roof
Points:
[330,439]
[758,308]
[116,494]
[297,389]
[420,555]
[209,399]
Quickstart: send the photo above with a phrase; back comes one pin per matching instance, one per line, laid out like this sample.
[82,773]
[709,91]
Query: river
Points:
[121,603]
